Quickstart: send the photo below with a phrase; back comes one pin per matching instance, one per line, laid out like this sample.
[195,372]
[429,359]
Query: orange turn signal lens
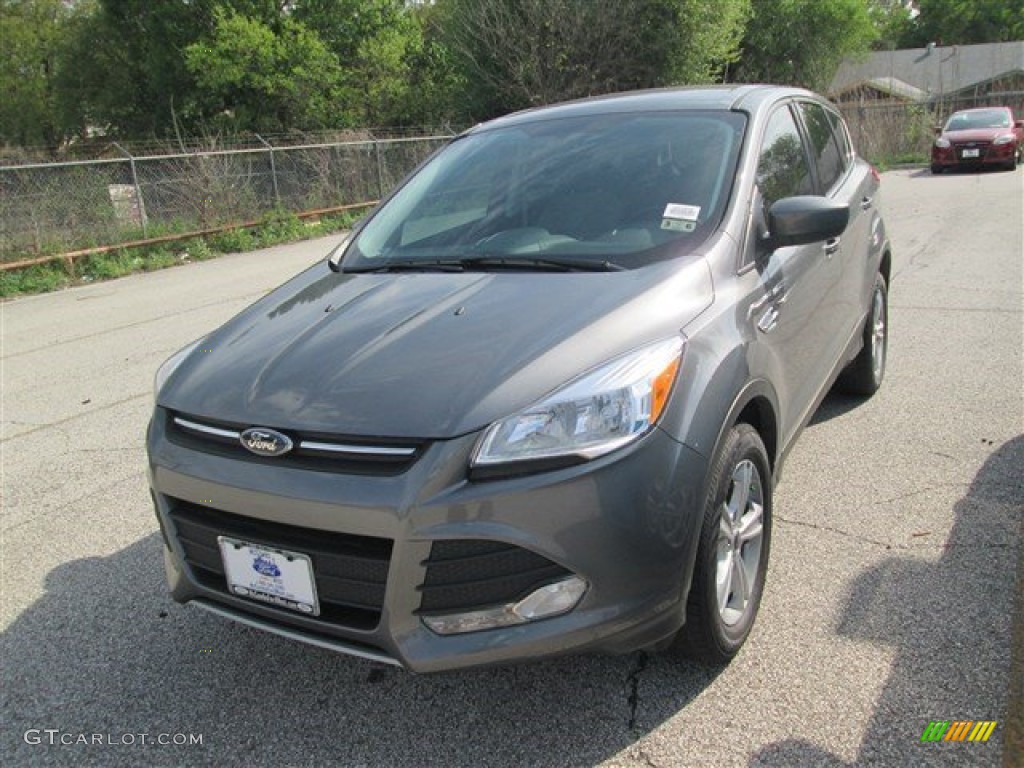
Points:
[662,388]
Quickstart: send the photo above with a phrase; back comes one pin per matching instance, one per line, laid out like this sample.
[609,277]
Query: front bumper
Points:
[627,523]
[992,154]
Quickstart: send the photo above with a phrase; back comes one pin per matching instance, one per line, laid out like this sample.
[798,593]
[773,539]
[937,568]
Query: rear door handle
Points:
[832,246]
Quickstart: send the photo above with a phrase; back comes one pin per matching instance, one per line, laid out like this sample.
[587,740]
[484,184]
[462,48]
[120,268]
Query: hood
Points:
[976,134]
[424,355]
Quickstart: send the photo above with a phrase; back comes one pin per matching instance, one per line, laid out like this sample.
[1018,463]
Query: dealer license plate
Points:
[972,153]
[273,576]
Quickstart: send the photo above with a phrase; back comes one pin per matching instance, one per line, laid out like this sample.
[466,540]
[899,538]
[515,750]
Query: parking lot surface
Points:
[889,600]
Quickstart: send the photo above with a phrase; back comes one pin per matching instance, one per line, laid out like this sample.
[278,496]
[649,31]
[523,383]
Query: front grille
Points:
[350,571]
[465,575]
[980,146]
[316,451]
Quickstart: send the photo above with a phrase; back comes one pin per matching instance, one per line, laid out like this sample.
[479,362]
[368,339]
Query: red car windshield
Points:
[969,121]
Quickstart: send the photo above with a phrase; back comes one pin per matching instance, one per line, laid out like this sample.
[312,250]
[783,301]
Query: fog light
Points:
[550,600]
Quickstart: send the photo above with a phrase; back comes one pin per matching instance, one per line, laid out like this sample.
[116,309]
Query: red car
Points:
[973,138]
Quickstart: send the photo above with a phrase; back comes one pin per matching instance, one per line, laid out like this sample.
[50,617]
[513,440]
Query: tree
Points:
[961,22]
[266,79]
[32,33]
[802,42]
[521,53]
[125,69]
[393,73]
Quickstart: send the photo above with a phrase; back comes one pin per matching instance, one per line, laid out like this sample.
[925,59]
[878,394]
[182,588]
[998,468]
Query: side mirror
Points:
[805,219]
[938,130]
[1019,124]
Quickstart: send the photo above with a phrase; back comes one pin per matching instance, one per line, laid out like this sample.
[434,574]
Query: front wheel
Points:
[863,376]
[732,555]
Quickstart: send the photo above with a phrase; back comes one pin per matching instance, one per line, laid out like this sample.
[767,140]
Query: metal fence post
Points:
[138,189]
[380,169]
[273,170]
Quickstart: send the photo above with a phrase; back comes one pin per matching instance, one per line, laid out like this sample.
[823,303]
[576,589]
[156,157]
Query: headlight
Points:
[604,409]
[1006,138]
[942,143]
[164,372]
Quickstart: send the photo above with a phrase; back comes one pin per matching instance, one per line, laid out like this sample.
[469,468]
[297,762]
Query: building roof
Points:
[922,73]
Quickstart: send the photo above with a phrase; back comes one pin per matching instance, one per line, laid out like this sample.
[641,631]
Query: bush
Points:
[232,241]
[36,279]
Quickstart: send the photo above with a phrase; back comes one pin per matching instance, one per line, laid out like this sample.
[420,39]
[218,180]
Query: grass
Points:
[894,161]
[276,228]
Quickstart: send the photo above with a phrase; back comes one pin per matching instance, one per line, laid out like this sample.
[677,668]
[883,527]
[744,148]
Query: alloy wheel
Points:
[740,535]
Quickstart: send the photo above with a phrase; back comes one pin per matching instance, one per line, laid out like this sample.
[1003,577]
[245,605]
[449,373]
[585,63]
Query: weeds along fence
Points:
[52,208]
[894,131]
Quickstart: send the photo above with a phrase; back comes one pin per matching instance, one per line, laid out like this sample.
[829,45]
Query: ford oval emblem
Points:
[266,567]
[265,442]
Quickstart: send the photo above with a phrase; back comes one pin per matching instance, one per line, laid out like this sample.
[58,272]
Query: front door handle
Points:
[832,246]
[866,202]
[768,320]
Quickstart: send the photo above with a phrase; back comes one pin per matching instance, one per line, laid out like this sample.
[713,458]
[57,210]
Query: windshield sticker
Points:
[678,225]
[684,212]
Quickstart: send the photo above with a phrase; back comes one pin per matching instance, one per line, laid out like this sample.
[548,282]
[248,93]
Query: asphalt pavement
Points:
[889,600]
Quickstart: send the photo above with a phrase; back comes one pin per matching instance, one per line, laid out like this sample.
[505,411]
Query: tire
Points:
[863,376]
[936,169]
[735,540]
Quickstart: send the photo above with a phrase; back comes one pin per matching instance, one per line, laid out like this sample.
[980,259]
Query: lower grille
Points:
[350,571]
[978,149]
[465,575]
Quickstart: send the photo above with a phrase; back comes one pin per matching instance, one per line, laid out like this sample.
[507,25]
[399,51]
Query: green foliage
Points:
[37,279]
[266,78]
[104,266]
[124,69]
[32,35]
[961,22]
[278,227]
[232,241]
[802,42]
[521,53]
[392,75]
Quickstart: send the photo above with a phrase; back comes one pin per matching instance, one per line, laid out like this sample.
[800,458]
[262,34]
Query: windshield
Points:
[969,121]
[618,190]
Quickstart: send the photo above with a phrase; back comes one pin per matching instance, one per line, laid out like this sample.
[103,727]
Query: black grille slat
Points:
[509,562]
[465,575]
[368,457]
[350,571]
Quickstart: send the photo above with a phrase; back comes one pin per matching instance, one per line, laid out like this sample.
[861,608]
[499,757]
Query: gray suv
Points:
[538,401]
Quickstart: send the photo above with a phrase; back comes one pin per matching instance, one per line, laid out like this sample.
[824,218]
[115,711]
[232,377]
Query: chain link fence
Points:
[138,191]
[56,207]
[891,131]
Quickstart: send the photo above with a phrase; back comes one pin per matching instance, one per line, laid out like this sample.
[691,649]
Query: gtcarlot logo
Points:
[55,737]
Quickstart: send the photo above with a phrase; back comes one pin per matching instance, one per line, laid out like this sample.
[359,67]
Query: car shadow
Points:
[105,651]
[835,405]
[961,171]
[950,621]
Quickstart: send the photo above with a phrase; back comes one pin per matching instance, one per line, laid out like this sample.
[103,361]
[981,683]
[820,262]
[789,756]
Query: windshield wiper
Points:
[410,265]
[483,261]
[553,263]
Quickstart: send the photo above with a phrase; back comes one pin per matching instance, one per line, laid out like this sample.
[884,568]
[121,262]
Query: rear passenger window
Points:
[830,160]
[842,134]
[782,170]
